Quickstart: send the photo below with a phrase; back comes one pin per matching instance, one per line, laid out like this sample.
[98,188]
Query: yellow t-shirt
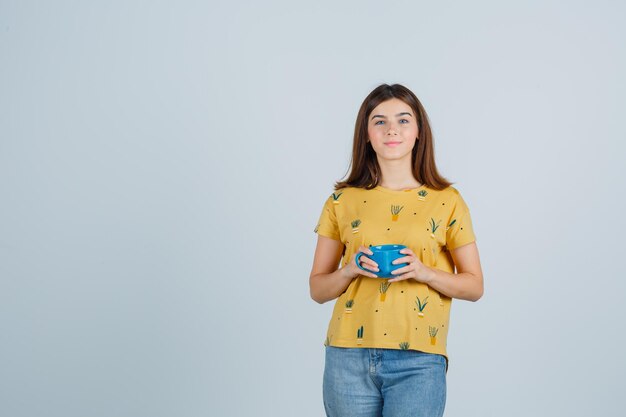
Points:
[372,313]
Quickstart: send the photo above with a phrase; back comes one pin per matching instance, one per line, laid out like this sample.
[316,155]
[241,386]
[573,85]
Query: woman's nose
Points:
[391,130]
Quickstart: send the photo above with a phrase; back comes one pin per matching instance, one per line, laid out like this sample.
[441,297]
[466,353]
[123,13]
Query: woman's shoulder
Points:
[450,194]
[451,191]
[454,196]
[336,196]
[349,191]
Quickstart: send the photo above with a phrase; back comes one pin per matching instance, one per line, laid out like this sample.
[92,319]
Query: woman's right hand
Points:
[352,270]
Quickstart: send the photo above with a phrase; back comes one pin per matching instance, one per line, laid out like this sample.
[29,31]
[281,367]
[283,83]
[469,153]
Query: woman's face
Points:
[392,129]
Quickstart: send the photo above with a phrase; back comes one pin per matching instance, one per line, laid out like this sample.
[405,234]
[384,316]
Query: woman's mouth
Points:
[392,143]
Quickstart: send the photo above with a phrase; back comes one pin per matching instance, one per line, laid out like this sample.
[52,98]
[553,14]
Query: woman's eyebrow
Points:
[397,115]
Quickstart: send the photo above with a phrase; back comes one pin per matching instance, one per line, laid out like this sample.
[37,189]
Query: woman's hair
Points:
[365,171]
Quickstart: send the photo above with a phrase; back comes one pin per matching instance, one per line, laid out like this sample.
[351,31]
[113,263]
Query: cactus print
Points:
[395,212]
[384,286]
[421,305]
[399,315]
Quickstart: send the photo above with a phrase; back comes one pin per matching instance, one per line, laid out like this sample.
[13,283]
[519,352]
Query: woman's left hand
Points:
[414,270]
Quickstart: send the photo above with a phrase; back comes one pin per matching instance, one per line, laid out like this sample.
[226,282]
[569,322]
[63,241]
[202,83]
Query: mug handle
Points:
[356,260]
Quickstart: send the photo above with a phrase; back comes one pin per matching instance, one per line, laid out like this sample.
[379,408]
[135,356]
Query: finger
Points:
[365,249]
[371,264]
[406,259]
[365,260]
[402,270]
[368,273]
[406,251]
[399,278]
[370,267]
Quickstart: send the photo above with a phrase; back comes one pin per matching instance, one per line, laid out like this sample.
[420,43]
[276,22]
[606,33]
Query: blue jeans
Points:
[366,382]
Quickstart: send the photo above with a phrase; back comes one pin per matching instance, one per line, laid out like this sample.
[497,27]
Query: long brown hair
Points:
[365,171]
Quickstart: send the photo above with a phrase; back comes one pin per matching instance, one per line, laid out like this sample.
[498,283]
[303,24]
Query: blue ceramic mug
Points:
[383,255]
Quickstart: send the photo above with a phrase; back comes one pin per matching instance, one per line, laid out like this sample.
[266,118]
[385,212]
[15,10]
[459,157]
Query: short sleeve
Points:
[459,230]
[327,223]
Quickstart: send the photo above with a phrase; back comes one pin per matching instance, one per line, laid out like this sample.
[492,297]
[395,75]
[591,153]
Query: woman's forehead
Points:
[392,107]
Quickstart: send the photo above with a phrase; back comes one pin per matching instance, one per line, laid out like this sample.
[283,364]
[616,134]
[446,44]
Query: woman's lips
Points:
[392,143]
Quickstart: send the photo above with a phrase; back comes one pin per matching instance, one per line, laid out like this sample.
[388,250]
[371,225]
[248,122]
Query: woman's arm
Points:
[467,283]
[326,282]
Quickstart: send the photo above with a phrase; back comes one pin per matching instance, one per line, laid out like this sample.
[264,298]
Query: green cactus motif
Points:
[359,333]
[450,225]
[422,195]
[404,345]
[395,212]
[355,225]
[433,334]
[349,305]
[421,306]
[316,228]
[336,198]
[384,286]
[433,227]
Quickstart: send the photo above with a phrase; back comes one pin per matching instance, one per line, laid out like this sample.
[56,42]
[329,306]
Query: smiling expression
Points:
[392,129]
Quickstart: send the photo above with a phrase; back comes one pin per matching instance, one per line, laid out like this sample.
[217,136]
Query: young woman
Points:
[386,341]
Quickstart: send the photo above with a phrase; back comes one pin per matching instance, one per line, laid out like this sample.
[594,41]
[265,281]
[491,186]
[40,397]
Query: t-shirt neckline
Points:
[390,191]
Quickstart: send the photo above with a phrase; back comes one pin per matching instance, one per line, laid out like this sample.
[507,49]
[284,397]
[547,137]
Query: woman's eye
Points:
[401,120]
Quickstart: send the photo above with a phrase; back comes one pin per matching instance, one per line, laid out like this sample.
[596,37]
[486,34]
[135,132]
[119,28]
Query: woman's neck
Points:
[396,179]
[397,175]
[394,186]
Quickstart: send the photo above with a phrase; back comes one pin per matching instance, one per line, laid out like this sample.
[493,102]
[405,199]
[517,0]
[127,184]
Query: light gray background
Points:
[163,165]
